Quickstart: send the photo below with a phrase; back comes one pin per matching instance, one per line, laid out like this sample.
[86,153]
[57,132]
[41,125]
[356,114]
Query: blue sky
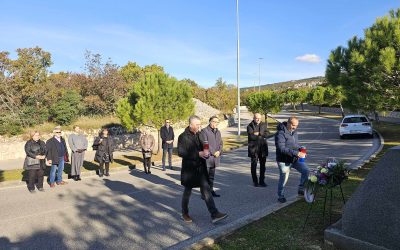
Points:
[191,39]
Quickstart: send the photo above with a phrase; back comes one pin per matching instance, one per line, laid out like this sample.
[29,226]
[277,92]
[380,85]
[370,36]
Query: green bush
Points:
[66,109]
[10,126]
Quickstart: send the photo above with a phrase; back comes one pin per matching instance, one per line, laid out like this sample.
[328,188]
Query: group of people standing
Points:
[54,153]
[200,151]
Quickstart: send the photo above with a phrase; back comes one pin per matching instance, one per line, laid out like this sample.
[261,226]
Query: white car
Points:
[355,125]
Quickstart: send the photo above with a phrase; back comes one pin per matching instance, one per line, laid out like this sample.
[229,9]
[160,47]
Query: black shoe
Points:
[255,184]
[149,172]
[101,175]
[186,218]
[78,178]
[75,178]
[41,189]
[170,167]
[300,192]
[214,194]
[218,217]
[107,174]
[282,199]
[32,191]
[262,184]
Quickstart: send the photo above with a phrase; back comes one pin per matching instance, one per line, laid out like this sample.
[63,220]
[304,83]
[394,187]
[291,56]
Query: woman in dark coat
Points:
[104,152]
[35,150]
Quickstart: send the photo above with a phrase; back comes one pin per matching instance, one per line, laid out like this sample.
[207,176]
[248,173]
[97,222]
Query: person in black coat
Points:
[57,155]
[258,148]
[194,170]
[104,152]
[34,163]
[167,137]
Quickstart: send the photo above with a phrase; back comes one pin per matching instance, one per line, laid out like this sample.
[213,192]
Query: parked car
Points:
[355,125]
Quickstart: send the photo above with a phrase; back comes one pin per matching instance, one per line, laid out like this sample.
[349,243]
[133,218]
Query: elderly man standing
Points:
[257,148]
[194,170]
[78,144]
[288,154]
[212,135]
[57,155]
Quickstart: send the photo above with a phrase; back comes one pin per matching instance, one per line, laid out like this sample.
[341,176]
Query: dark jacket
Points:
[257,143]
[286,143]
[167,135]
[52,150]
[33,149]
[214,139]
[193,166]
[105,147]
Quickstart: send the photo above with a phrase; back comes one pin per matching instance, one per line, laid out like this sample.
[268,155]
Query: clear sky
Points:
[191,39]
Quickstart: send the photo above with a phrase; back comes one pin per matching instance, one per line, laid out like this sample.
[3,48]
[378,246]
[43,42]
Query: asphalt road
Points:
[131,210]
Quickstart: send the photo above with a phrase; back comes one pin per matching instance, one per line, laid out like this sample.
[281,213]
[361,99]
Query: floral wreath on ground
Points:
[330,174]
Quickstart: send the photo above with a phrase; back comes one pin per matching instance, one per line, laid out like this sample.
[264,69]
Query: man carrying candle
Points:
[288,155]
[194,170]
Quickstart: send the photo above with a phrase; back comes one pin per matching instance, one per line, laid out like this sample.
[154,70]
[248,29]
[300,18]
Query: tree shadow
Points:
[37,240]
[1,175]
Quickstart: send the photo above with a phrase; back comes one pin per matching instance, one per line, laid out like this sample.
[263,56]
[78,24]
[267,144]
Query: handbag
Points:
[66,158]
[32,161]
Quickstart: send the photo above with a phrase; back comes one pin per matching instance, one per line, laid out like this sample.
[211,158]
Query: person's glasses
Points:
[166,122]
[215,121]
[58,132]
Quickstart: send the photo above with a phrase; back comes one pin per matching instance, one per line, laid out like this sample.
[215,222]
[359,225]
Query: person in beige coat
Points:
[147,144]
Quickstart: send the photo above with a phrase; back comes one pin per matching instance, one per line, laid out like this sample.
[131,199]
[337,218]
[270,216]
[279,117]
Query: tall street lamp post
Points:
[259,73]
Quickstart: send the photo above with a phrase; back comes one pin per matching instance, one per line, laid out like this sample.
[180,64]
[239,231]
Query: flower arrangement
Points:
[330,174]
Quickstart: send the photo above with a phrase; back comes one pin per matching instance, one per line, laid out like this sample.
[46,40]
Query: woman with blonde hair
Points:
[34,163]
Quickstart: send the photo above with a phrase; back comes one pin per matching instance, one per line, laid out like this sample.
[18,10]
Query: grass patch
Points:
[283,229]
[84,122]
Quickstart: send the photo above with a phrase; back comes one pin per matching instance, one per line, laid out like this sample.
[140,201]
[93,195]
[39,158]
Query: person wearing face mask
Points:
[288,155]
[34,163]
[258,148]
[57,155]
[212,135]
[194,170]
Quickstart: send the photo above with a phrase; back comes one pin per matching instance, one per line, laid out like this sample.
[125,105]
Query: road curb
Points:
[358,164]
[209,238]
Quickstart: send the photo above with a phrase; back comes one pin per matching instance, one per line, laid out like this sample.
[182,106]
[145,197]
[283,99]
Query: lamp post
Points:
[237,65]
[259,73]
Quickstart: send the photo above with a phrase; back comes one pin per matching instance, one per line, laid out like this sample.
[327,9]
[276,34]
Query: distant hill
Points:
[293,84]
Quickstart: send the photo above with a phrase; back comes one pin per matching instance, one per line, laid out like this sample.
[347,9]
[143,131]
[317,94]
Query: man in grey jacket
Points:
[213,136]
[78,145]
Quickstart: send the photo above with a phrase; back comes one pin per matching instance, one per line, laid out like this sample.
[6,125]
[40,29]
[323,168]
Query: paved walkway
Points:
[132,210]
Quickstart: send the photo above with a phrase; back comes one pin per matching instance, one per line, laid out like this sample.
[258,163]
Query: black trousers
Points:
[146,163]
[107,164]
[254,160]
[212,163]
[205,192]
[33,175]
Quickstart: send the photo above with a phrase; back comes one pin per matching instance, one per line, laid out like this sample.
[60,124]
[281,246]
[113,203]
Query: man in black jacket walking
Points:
[194,171]
[167,137]
[288,154]
[257,148]
[212,135]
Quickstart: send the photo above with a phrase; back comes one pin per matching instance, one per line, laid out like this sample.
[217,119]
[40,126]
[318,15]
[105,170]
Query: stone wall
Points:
[13,148]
